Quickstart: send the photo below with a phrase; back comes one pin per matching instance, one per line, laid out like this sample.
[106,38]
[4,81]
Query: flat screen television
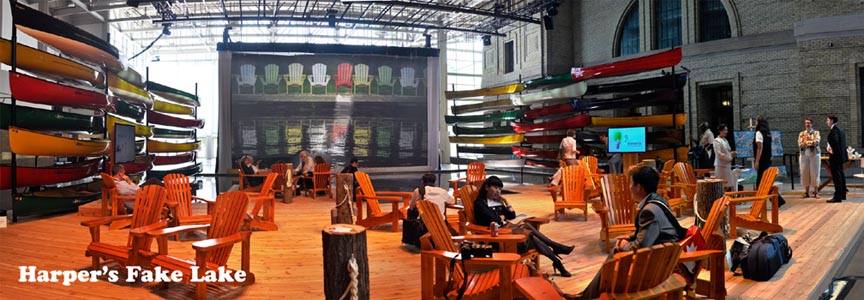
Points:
[124,143]
[627,140]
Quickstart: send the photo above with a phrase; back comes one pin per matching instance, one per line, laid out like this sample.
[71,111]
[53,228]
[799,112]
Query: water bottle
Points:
[493,229]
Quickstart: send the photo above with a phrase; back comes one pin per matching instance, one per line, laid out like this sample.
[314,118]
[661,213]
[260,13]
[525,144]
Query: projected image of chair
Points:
[247,77]
[408,80]
[343,77]
[362,78]
[385,78]
[319,78]
[295,77]
[271,77]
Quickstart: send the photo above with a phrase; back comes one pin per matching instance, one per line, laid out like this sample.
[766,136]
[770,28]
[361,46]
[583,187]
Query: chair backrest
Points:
[281,171]
[271,74]
[247,74]
[617,198]
[361,72]
[407,78]
[764,190]
[666,178]
[295,72]
[592,163]
[684,173]
[468,194]
[226,219]
[385,75]
[343,73]
[476,173]
[179,192]
[321,176]
[108,182]
[149,202]
[630,272]
[319,73]
[712,223]
[366,189]
[438,232]
[573,183]
[267,187]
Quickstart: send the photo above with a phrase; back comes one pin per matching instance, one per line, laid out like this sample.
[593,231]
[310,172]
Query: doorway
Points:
[716,107]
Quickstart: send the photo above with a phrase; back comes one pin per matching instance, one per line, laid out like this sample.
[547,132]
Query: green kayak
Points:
[498,116]
[126,109]
[481,130]
[172,134]
[57,200]
[501,103]
[552,79]
[48,120]
[172,94]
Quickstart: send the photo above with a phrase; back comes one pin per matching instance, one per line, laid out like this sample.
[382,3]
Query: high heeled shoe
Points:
[565,250]
[560,268]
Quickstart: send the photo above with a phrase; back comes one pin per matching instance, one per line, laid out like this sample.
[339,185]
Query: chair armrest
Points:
[103,220]
[698,255]
[739,193]
[202,199]
[507,238]
[682,185]
[454,206]
[384,198]
[212,244]
[176,230]
[452,181]
[143,230]
[497,259]
[749,199]
[400,194]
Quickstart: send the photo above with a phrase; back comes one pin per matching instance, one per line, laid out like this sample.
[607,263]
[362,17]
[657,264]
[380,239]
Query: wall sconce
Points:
[726,103]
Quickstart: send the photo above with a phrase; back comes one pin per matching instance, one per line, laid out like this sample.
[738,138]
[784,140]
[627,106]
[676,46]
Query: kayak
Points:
[57,199]
[188,171]
[126,109]
[28,142]
[500,103]
[33,176]
[661,137]
[161,160]
[50,120]
[35,60]
[541,163]
[35,90]
[139,146]
[459,130]
[171,108]
[498,116]
[154,146]
[661,60]
[548,80]
[638,100]
[484,150]
[676,81]
[141,164]
[172,94]
[163,119]
[577,121]
[140,130]
[544,139]
[500,140]
[132,77]
[529,152]
[163,133]
[570,91]
[656,120]
[490,91]
[129,92]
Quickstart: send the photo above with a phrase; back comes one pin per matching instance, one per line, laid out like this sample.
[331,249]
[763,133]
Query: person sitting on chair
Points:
[304,171]
[248,168]
[125,186]
[426,192]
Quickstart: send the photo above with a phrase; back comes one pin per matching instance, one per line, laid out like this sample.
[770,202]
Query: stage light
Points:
[166,29]
[428,40]
[487,40]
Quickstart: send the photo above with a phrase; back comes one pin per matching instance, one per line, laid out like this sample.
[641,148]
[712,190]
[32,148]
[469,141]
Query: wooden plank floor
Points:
[288,263]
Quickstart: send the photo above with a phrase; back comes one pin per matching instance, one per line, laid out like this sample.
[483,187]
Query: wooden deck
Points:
[288,263]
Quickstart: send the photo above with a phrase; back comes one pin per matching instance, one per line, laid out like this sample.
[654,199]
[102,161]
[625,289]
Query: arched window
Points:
[667,23]
[713,21]
[629,39]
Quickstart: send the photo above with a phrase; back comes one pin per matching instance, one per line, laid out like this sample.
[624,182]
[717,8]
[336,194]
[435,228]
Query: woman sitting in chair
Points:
[426,192]
[490,207]
[248,168]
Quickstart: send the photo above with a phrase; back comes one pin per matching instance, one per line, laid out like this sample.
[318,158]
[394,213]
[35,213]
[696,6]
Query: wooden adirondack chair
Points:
[713,256]
[362,78]
[619,210]
[148,216]
[319,77]
[247,77]
[281,170]
[408,80]
[111,197]
[475,174]
[686,183]
[468,193]
[295,77]
[644,274]
[491,284]
[756,219]
[573,191]
[228,226]
[343,77]
[385,78]
[666,180]
[180,200]
[271,77]
[321,176]
[264,200]
[595,172]
[374,216]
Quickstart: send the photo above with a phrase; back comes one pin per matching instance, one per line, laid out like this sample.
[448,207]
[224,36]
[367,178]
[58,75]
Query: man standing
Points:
[836,157]
[761,148]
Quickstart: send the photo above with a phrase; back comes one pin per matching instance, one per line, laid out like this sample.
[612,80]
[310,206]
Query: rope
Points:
[352,287]
[347,200]
[696,209]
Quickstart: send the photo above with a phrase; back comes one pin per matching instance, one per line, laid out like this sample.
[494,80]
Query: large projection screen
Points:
[379,108]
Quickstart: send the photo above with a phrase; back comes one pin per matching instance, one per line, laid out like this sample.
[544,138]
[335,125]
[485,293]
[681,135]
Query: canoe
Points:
[656,120]
[32,176]
[666,154]
[500,103]
[141,164]
[544,139]
[548,80]
[163,119]
[140,130]
[570,91]
[27,142]
[668,96]
[162,160]
[172,94]
[577,121]
[139,146]
[484,150]
[35,90]
[129,110]
[154,146]
[665,81]
[498,116]
[490,91]
[171,108]
[132,77]
[57,200]
[129,92]
[163,133]
[482,130]
[541,163]
[541,153]
[49,120]
[660,60]
[661,137]
[35,60]
[65,37]
[188,171]
[499,140]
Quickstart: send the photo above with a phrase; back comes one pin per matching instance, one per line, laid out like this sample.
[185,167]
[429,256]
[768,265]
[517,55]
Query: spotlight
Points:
[547,23]
[487,40]
[428,40]
[166,29]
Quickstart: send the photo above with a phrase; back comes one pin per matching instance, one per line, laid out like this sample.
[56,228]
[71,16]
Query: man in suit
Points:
[836,157]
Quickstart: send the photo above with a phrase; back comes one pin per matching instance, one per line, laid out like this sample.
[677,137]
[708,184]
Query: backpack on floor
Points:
[766,255]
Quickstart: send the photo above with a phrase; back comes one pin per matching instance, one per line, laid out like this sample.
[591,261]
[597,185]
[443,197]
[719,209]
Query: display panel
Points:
[124,143]
[627,140]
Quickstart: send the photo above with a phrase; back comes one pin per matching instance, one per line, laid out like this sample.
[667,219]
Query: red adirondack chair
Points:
[343,77]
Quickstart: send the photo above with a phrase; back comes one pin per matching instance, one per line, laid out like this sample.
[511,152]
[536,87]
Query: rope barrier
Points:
[347,199]
[354,272]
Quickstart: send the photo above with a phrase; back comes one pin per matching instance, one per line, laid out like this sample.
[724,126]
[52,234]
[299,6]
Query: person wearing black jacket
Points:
[761,148]
[837,156]
[490,207]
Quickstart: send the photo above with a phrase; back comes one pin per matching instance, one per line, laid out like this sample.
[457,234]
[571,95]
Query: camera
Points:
[469,250]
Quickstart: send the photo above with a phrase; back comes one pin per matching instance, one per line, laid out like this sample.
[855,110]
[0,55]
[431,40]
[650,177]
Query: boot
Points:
[563,249]
[560,268]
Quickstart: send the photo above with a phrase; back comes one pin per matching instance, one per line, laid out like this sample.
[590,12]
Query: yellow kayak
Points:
[159,147]
[140,130]
[171,108]
[499,140]
[128,91]
[27,142]
[666,154]
[490,91]
[32,59]
[657,120]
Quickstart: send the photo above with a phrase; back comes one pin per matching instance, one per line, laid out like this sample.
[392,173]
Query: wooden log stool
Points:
[346,266]
[708,191]
[343,212]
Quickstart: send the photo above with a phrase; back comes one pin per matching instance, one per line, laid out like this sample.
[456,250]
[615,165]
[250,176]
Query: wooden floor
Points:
[288,263]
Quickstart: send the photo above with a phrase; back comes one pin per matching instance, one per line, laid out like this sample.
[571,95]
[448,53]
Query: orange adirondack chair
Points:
[321,180]
[573,191]
[111,198]
[475,174]
[281,170]
[468,193]
[666,179]
[756,219]
[374,216]
[180,200]
[619,211]
[265,199]
[228,226]
[148,216]
[686,183]
[715,288]
[343,77]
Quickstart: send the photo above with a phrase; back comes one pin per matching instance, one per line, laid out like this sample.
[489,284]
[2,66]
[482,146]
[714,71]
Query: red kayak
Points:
[544,139]
[659,97]
[141,164]
[31,176]
[577,121]
[647,63]
[541,163]
[163,119]
[162,160]
[528,152]
[32,89]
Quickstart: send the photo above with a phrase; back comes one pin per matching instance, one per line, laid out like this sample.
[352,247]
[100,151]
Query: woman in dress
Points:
[808,144]
[723,157]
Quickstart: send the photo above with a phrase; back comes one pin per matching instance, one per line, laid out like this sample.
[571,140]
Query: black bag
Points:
[413,228]
[738,252]
[767,254]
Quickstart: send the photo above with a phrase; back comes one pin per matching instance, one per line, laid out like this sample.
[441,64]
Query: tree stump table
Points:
[346,266]
[707,191]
